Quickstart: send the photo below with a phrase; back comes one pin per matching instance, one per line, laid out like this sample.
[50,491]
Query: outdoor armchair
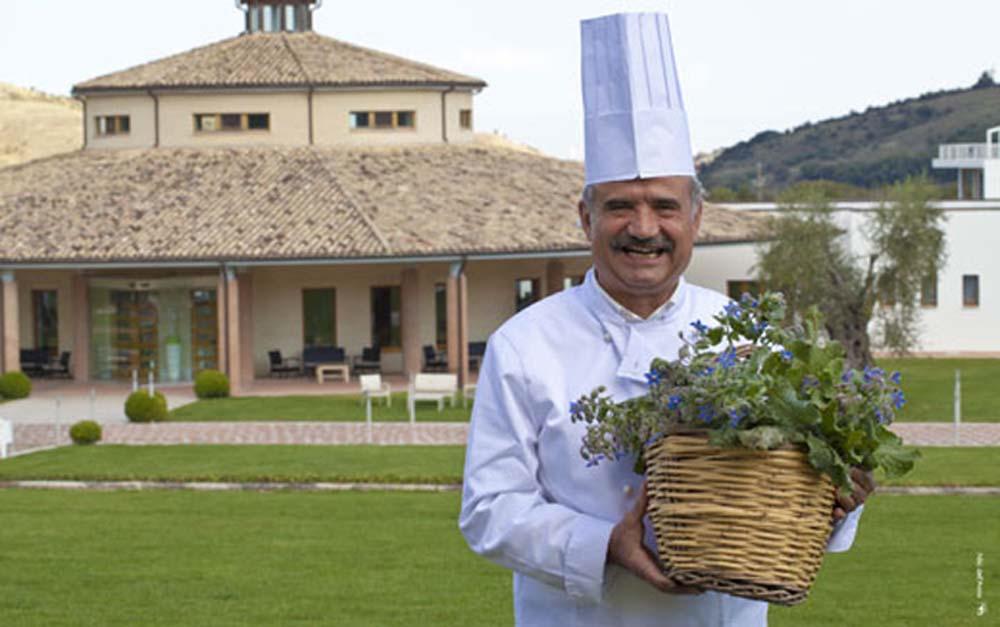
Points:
[281,367]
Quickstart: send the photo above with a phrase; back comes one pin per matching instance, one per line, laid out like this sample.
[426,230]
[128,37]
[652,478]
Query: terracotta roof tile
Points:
[277,59]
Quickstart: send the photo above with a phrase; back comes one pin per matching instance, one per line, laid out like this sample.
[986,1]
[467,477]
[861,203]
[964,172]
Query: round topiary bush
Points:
[141,407]
[15,385]
[211,384]
[85,432]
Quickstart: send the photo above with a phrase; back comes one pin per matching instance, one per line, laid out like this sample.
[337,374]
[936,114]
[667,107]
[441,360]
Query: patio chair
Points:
[60,368]
[281,367]
[373,387]
[434,361]
[34,361]
[370,360]
[477,350]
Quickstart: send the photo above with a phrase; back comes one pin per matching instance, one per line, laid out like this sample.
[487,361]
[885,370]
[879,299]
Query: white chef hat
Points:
[635,125]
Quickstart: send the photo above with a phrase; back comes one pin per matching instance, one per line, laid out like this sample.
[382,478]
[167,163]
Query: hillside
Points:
[870,149]
[35,125]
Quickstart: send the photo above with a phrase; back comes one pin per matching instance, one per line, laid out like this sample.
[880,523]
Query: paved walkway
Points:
[35,435]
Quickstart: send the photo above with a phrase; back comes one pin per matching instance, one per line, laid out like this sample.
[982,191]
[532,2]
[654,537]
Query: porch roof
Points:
[233,204]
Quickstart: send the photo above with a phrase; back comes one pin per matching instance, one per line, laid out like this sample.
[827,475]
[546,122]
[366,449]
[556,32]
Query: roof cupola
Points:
[275,16]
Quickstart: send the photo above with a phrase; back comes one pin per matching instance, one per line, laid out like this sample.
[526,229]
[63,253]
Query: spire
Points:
[273,16]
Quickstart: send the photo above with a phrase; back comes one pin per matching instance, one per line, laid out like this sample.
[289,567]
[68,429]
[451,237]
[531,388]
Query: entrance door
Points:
[135,338]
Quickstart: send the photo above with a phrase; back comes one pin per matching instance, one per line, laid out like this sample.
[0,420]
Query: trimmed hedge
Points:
[15,385]
[141,407]
[85,432]
[211,384]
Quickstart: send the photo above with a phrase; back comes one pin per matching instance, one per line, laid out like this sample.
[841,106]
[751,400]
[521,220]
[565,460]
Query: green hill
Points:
[882,145]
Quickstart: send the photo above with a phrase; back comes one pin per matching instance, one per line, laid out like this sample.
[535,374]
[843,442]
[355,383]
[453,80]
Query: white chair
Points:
[373,387]
[6,437]
[431,387]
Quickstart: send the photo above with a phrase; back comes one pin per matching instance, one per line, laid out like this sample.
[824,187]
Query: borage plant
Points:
[752,382]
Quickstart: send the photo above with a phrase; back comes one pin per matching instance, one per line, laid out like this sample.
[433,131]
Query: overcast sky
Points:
[745,66]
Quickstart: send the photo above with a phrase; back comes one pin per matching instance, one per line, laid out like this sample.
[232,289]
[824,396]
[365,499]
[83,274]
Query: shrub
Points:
[211,384]
[85,432]
[15,385]
[141,407]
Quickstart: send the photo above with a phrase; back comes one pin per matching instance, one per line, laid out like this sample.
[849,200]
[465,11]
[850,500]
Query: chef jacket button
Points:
[627,490]
[607,337]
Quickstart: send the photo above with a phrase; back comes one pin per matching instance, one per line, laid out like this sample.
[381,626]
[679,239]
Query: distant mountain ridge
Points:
[870,149]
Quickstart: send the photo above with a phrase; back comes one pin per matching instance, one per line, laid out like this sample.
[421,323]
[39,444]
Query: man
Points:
[573,534]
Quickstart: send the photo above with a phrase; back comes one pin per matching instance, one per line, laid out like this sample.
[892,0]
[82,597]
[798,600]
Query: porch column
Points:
[80,310]
[555,272]
[220,314]
[451,296]
[410,323]
[246,327]
[463,330]
[10,340]
[233,360]
[961,175]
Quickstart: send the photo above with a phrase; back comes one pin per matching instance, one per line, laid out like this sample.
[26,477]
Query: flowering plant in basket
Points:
[788,386]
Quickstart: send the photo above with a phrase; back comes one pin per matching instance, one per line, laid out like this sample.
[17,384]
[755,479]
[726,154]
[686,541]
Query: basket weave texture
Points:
[753,524]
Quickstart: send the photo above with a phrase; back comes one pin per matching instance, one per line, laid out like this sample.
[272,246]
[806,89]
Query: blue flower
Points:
[809,381]
[873,374]
[747,300]
[847,377]
[700,327]
[727,358]
[653,377]
[898,400]
[733,310]
[674,402]
[896,377]
[880,416]
[653,439]
[707,371]
[760,326]
[706,413]
[786,355]
[736,416]
[575,409]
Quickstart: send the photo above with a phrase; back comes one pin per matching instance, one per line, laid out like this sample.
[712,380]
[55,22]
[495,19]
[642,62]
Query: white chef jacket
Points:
[529,501]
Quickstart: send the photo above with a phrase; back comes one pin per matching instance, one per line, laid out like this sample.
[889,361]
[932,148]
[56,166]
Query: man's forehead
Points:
[676,187]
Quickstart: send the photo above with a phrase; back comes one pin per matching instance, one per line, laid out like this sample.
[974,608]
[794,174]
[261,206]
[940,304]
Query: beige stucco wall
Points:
[455,102]
[331,111]
[139,108]
[29,280]
[289,119]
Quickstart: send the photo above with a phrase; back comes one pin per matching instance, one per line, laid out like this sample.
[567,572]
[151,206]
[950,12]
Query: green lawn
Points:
[929,386]
[373,464]
[185,558]
[341,408]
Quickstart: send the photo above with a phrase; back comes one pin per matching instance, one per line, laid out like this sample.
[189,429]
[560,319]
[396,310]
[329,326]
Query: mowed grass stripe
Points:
[939,466]
[929,385]
[332,408]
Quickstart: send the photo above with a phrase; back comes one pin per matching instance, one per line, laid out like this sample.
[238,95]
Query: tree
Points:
[985,80]
[808,257]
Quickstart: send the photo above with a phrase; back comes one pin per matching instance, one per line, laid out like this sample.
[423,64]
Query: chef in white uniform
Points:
[573,534]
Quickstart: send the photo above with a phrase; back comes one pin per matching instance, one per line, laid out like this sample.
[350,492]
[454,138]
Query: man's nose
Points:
[643,223]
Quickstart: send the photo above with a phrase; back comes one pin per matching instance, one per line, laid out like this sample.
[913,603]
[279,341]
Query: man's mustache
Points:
[658,243]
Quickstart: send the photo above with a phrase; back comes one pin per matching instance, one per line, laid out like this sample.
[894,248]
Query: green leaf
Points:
[762,438]
[824,459]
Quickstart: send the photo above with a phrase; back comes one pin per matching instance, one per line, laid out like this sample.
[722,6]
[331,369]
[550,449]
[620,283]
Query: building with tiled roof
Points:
[284,192]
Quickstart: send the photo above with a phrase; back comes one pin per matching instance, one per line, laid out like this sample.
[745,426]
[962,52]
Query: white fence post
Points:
[958,404]
[6,437]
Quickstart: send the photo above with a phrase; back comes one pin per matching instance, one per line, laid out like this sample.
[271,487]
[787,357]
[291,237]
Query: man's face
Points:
[641,234]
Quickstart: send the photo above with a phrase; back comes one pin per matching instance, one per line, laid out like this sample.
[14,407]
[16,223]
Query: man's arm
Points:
[505,516]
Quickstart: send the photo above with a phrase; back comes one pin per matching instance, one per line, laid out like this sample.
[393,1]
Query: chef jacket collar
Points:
[607,309]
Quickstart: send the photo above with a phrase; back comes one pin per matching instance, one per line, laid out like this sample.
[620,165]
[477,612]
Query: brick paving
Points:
[31,436]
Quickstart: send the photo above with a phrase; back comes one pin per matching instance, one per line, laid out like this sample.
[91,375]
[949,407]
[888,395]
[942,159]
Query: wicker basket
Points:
[750,523]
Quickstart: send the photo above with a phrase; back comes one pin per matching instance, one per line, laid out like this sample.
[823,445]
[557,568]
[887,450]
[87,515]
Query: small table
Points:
[323,370]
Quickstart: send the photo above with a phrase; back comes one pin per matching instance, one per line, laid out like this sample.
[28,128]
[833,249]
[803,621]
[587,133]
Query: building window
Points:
[928,291]
[319,317]
[526,291]
[572,281]
[386,327]
[465,119]
[736,289]
[45,319]
[112,125]
[383,119]
[441,314]
[215,122]
[970,290]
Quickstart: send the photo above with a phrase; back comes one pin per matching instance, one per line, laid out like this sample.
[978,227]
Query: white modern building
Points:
[978,166]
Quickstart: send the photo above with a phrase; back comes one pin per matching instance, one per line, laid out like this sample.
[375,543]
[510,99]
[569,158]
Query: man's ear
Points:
[696,218]
[584,217]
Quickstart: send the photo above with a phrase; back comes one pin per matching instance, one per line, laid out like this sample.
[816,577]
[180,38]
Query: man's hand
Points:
[627,550]
[864,484]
